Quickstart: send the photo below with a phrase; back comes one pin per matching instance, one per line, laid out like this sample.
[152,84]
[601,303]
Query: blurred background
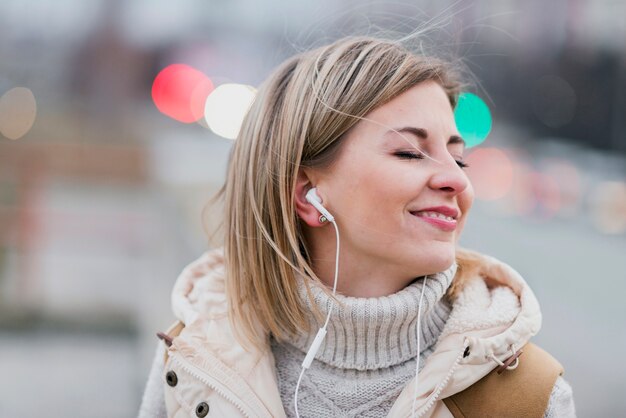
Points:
[112,142]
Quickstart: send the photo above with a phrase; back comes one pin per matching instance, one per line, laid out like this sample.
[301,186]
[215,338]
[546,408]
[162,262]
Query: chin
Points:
[438,259]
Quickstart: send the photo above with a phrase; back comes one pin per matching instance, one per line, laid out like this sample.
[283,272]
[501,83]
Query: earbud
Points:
[315,200]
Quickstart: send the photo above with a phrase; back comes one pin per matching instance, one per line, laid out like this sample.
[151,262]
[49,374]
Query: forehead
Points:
[425,106]
[427,99]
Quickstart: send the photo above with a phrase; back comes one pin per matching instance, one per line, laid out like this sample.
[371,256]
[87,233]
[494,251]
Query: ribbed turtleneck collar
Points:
[372,333]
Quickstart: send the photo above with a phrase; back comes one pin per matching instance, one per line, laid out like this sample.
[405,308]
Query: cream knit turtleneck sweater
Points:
[369,353]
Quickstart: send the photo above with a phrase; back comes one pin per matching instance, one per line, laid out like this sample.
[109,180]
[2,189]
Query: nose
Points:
[448,176]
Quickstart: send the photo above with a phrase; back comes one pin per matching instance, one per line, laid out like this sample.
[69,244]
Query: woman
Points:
[348,175]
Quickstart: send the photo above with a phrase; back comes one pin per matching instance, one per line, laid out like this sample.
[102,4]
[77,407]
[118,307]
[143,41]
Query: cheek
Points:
[370,198]
[354,195]
[366,182]
[373,188]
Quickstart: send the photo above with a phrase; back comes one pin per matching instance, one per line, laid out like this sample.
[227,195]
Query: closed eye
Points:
[409,155]
[412,156]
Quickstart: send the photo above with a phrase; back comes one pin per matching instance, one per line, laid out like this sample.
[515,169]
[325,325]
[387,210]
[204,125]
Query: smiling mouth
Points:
[437,220]
[432,214]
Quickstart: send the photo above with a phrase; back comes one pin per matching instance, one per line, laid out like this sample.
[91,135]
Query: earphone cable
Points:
[323,329]
[417,359]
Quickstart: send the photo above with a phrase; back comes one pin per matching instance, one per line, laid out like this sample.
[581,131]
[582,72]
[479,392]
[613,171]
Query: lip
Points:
[442,224]
[444,210]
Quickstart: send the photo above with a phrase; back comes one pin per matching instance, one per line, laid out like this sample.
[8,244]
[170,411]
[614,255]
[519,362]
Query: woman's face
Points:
[388,202]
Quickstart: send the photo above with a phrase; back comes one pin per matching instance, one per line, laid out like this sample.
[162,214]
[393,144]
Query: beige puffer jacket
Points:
[207,370]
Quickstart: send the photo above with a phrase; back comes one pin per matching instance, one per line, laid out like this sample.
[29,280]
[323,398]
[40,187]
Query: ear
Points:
[304,209]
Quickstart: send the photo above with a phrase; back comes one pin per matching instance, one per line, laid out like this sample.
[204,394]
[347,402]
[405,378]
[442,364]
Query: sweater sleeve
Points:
[561,402]
[153,400]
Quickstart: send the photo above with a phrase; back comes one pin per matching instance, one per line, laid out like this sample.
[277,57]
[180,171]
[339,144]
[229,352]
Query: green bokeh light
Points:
[473,119]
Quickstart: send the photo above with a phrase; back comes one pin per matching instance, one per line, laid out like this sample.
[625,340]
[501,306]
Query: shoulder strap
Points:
[167,336]
[521,392]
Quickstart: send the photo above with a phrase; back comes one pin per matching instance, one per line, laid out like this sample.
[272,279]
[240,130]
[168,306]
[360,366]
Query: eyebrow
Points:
[423,134]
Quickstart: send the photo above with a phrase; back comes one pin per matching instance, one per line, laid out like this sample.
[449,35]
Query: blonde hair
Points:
[298,119]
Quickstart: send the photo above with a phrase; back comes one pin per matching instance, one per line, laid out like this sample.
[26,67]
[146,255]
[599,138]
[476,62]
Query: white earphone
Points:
[315,200]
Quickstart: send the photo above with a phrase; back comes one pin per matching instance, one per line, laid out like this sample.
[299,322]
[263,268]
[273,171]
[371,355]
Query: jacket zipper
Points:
[432,398]
[207,380]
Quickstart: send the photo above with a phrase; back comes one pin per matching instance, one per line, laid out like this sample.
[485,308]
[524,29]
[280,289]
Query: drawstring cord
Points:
[507,363]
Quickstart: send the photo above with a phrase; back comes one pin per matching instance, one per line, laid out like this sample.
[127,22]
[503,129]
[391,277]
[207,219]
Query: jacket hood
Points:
[494,314]
[200,290]
[492,296]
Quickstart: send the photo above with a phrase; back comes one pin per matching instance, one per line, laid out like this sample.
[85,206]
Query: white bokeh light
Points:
[226,107]
[18,110]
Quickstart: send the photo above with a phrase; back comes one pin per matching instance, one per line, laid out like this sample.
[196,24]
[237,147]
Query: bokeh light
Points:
[491,173]
[569,181]
[535,194]
[473,119]
[18,109]
[608,207]
[522,196]
[546,193]
[226,107]
[180,91]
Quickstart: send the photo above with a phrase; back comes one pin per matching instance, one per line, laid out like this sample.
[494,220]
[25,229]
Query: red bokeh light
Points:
[180,92]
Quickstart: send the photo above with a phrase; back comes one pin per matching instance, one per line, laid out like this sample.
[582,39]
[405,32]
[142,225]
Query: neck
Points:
[368,278]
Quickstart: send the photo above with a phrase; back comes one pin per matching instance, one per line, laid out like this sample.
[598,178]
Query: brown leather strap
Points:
[169,335]
[521,392]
